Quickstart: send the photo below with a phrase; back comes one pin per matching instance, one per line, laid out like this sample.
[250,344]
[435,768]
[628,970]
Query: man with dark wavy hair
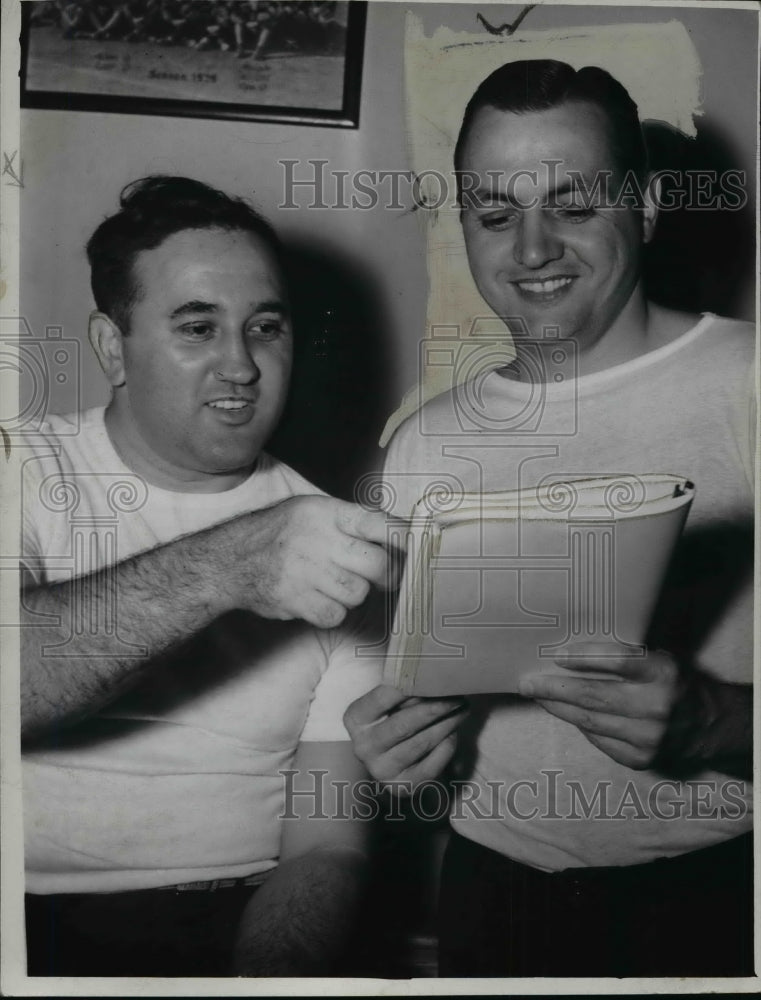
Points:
[181,648]
[603,826]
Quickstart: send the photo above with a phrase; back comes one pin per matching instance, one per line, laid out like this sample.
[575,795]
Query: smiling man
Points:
[573,262]
[171,668]
[602,825]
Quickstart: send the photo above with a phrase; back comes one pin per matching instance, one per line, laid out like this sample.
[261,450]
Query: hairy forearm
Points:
[726,739]
[299,921]
[85,641]
[713,725]
[308,557]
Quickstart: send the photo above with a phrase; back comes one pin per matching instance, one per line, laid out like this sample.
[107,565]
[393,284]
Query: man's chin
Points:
[232,466]
[222,461]
[539,323]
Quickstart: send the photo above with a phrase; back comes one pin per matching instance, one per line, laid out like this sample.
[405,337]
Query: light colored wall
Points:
[77,162]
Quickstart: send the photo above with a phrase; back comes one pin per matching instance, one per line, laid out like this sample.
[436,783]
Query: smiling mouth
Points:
[547,288]
[230,404]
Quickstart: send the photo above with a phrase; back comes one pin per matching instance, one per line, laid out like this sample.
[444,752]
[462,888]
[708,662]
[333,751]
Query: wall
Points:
[360,274]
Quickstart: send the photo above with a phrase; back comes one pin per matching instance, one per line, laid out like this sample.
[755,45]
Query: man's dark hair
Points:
[541,84]
[152,209]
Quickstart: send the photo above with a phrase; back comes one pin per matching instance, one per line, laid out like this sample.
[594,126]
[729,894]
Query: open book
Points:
[497,585]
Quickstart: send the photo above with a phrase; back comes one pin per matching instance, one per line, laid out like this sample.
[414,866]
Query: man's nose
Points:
[536,243]
[235,362]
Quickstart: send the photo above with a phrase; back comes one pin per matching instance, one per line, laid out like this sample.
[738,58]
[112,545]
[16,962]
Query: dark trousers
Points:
[686,916]
[156,932]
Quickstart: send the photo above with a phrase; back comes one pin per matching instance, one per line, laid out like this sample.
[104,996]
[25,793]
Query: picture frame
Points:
[228,59]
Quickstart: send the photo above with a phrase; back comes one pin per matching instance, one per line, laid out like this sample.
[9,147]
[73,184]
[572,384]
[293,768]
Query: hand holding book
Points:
[625,713]
[404,741]
[547,611]
[649,712]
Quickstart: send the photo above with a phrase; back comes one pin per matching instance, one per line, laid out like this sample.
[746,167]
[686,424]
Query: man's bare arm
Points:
[300,921]
[306,557]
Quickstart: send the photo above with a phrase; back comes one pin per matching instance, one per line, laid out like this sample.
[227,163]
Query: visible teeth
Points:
[544,286]
[229,404]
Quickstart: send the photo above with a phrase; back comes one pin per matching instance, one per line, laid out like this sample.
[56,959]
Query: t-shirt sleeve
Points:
[41,472]
[404,479]
[354,655]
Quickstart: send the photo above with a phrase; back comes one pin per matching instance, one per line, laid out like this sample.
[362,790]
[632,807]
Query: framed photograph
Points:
[243,59]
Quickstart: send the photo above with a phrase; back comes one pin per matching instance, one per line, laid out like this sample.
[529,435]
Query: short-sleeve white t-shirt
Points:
[180,780]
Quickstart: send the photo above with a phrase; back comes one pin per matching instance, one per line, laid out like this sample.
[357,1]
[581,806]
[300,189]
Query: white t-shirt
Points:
[685,408]
[179,780]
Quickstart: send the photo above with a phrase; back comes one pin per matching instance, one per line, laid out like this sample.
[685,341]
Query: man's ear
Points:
[107,341]
[650,202]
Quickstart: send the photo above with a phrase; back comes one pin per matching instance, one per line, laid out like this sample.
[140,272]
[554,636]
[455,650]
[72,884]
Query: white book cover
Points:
[507,582]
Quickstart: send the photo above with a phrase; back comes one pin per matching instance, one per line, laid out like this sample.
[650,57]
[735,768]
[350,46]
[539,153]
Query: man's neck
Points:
[640,327]
[626,339]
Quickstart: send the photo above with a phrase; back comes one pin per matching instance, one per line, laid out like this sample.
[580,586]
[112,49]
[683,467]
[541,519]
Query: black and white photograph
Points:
[379,432]
[203,58]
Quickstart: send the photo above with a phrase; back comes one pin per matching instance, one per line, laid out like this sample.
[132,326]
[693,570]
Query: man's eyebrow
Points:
[487,196]
[491,196]
[194,306]
[197,306]
[565,187]
[271,305]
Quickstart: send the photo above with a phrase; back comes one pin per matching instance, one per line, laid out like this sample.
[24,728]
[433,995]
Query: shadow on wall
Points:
[342,389]
[702,257]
